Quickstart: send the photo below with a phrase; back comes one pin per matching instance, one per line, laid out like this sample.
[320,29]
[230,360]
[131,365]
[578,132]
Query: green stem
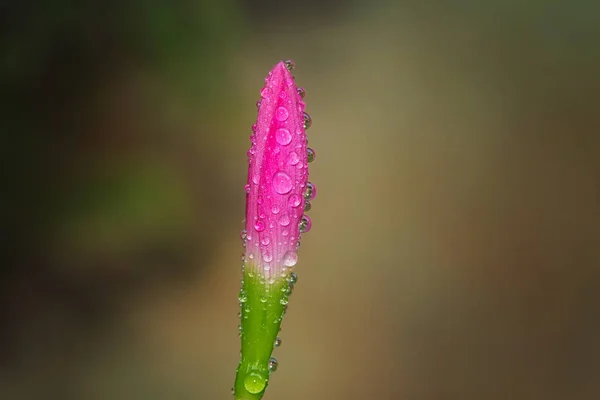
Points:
[263,306]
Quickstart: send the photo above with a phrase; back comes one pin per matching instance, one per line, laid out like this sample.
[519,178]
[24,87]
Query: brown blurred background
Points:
[455,252]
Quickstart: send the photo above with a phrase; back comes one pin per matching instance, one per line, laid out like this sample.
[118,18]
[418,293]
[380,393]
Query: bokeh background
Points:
[455,251]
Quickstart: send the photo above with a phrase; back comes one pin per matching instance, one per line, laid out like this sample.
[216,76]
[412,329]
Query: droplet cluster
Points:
[278,193]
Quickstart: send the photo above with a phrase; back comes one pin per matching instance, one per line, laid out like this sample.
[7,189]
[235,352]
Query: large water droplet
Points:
[310,154]
[273,364]
[293,158]
[289,65]
[305,224]
[259,226]
[265,92]
[282,183]
[290,258]
[255,382]
[311,191]
[281,114]
[284,220]
[307,120]
[301,92]
[294,200]
[283,136]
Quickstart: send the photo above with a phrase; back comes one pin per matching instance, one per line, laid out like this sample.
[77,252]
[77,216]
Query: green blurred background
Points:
[455,252]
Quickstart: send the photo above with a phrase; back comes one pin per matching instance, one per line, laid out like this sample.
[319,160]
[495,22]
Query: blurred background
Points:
[455,251]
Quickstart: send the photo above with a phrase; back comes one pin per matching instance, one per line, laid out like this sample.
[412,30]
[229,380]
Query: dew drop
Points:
[283,301]
[283,95]
[301,92]
[277,342]
[275,209]
[307,206]
[283,136]
[273,364]
[311,191]
[265,240]
[282,183]
[254,128]
[247,188]
[310,154]
[293,158]
[282,114]
[258,103]
[284,220]
[289,65]
[242,297]
[294,200]
[243,235]
[263,299]
[259,226]
[290,258]
[255,382]
[293,278]
[256,179]
[307,120]
[265,92]
[305,224]
[267,257]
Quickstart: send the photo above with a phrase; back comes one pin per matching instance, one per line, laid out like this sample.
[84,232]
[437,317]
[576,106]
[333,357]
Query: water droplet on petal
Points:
[281,114]
[242,297]
[305,224]
[311,191]
[256,179]
[290,258]
[283,136]
[294,200]
[243,235]
[307,206]
[301,92]
[282,183]
[289,65]
[259,226]
[265,92]
[275,209]
[247,188]
[283,301]
[293,278]
[258,103]
[265,240]
[273,364]
[284,220]
[307,120]
[293,158]
[267,257]
[310,154]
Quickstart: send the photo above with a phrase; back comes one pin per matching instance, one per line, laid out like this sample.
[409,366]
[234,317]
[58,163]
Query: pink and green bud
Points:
[277,195]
